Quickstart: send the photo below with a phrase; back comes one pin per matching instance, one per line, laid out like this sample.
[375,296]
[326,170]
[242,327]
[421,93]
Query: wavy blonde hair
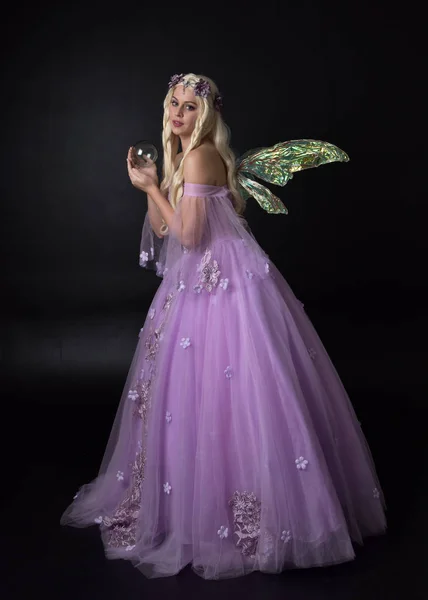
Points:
[209,126]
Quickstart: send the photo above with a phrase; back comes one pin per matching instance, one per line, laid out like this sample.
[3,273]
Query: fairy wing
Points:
[277,164]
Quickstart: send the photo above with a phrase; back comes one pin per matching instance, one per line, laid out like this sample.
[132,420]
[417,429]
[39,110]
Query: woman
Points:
[235,447]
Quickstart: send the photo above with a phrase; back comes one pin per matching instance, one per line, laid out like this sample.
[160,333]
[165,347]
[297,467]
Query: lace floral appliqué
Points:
[168,301]
[121,526]
[301,463]
[144,257]
[208,271]
[142,400]
[246,520]
[152,344]
[286,536]
[185,342]
[223,532]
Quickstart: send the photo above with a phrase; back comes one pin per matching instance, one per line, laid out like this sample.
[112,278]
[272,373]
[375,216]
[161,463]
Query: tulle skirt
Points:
[235,447]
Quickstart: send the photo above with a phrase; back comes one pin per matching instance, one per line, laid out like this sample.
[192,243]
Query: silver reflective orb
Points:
[144,153]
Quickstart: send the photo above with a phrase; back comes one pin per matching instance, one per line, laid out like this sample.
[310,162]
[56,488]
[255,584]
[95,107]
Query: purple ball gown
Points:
[235,447]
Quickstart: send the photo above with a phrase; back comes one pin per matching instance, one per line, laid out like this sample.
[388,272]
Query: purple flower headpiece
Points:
[201,88]
[175,80]
[218,102]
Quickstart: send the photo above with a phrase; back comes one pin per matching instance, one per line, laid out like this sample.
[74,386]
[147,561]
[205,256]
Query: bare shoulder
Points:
[204,165]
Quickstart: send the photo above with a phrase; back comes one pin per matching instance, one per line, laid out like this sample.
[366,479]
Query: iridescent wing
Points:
[277,164]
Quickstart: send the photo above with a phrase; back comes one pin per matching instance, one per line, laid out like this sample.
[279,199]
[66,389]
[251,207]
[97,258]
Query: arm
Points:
[155,216]
[161,205]
[188,222]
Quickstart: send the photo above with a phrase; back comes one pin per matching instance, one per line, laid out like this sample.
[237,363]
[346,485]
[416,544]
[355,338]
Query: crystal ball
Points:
[144,153]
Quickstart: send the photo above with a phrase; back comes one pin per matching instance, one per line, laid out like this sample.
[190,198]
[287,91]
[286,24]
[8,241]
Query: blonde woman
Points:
[235,447]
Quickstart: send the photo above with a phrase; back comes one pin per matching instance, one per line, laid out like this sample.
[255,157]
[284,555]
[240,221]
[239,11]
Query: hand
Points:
[143,178]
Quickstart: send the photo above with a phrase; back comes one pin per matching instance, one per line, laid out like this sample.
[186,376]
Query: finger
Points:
[131,156]
[130,172]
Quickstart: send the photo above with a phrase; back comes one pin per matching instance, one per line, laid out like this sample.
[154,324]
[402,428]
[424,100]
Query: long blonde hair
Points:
[210,126]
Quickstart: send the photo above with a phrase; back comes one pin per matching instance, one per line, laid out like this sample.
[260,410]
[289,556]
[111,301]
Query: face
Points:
[183,111]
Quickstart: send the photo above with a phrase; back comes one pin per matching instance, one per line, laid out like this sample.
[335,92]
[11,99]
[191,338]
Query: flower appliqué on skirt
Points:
[246,520]
[121,526]
[142,402]
[209,271]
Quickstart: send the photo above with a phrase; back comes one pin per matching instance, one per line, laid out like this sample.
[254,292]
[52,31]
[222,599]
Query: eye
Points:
[174,102]
[190,107]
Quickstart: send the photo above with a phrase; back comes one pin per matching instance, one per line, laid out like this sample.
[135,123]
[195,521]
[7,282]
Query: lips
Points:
[177,123]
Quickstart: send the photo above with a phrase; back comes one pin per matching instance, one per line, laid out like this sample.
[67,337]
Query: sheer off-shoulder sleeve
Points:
[185,231]
[151,246]
[191,215]
[204,215]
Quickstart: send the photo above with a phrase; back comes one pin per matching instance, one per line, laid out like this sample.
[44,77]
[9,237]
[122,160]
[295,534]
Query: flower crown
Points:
[201,88]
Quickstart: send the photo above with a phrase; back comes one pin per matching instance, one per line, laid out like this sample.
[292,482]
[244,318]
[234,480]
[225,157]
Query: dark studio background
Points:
[80,85]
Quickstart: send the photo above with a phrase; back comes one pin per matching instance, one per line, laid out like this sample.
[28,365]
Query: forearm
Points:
[162,209]
[155,216]
[187,227]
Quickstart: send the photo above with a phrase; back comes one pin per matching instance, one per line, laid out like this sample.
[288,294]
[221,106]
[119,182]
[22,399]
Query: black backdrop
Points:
[81,83]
